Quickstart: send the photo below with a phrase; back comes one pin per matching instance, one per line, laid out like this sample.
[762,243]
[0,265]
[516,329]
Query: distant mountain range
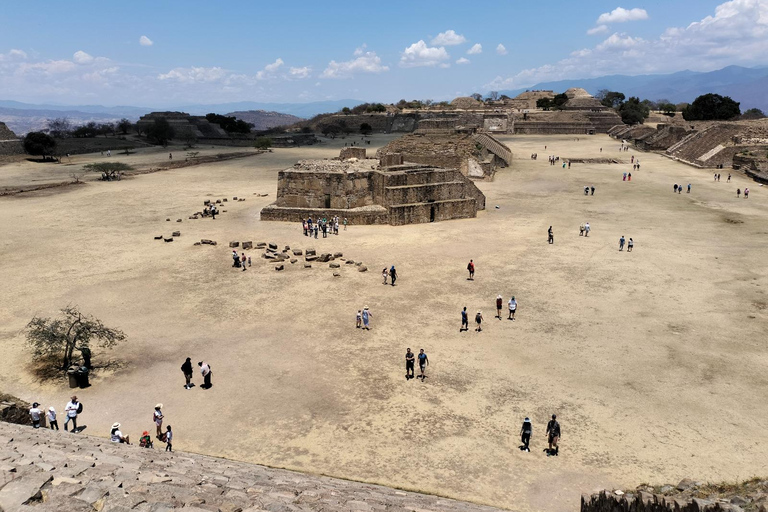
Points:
[749,86]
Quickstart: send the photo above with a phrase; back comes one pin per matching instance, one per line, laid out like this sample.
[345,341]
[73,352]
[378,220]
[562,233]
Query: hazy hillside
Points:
[262,120]
[22,121]
[746,85]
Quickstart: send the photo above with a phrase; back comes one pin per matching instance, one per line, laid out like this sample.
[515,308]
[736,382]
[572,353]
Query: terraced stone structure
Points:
[46,471]
[10,144]
[365,193]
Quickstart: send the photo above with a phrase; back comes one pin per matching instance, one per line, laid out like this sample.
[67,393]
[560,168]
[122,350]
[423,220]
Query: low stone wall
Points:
[432,212]
[365,215]
[354,152]
[647,502]
[339,190]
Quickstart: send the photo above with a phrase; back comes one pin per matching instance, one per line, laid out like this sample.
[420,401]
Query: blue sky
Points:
[154,53]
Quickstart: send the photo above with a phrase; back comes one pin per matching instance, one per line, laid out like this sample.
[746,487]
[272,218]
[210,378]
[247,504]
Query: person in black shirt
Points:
[553,435]
[186,368]
[409,360]
[525,434]
[550,235]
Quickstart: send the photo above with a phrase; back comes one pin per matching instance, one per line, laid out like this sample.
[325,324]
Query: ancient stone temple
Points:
[10,144]
[366,192]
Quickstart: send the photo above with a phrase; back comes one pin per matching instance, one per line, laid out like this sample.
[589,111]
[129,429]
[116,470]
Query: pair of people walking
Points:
[410,359]
[391,274]
[552,433]
[630,244]
[363,319]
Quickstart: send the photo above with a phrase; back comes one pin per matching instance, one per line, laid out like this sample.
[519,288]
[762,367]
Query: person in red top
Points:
[471,269]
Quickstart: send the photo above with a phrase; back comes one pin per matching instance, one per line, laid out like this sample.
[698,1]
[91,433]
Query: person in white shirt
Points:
[512,308]
[116,436]
[168,439]
[71,410]
[205,369]
[586,229]
[52,422]
[158,417]
[35,414]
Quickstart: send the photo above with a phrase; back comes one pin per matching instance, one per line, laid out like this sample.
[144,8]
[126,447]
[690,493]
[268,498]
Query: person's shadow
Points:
[79,429]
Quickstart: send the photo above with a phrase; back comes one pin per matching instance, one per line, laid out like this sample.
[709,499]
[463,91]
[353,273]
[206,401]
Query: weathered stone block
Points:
[297,252]
[234,244]
[337,255]
[177,233]
[247,245]
[273,246]
[362,268]
[279,267]
[310,251]
[334,265]
[311,258]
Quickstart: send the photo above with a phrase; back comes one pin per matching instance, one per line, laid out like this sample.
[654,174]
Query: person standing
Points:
[72,409]
[304,226]
[738,193]
[186,369]
[525,434]
[410,358]
[52,423]
[630,244]
[35,414]
[499,303]
[243,260]
[464,320]
[423,363]
[157,416]
[392,275]
[366,318]
[479,321]
[689,189]
[729,178]
[550,235]
[621,243]
[746,192]
[345,223]
[675,188]
[592,188]
[586,229]
[359,319]
[471,270]
[553,435]
[512,308]
[205,369]
[168,439]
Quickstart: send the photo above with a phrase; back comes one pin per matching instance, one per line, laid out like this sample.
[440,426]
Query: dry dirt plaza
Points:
[654,361]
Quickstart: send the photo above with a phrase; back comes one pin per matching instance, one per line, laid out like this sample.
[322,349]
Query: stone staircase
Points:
[43,470]
[705,148]
[495,146]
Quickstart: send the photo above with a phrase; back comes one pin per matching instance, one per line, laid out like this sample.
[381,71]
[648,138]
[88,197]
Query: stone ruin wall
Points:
[352,152]
[10,144]
[648,502]
[307,189]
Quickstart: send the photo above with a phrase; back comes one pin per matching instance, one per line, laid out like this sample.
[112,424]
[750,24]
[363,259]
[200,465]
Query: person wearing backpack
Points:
[186,368]
[72,409]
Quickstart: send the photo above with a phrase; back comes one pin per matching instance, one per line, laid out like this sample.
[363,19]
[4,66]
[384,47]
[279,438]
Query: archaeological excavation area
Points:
[653,360]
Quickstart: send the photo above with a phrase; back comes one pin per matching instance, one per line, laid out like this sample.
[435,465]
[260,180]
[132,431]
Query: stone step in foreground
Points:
[43,470]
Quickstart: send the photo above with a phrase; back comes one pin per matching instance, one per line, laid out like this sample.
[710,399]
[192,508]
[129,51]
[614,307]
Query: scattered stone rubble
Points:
[46,471]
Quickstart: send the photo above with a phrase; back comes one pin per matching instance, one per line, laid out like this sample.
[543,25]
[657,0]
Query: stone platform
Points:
[43,470]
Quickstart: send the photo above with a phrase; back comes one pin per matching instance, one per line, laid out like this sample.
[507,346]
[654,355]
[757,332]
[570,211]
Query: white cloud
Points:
[51,67]
[476,49]
[274,66]
[737,34]
[621,15]
[81,57]
[448,38]
[501,50]
[194,75]
[302,72]
[145,41]
[365,62]
[600,29]
[419,54]
[463,61]
[13,55]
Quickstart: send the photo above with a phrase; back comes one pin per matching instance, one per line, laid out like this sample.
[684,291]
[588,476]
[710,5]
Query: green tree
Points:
[124,125]
[229,124]
[365,129]
[711,107]
[476,96]
[160,131]
[753,113]
[108,169]
[634,111]
[263,143]
[666,107]
[56,339]
[39,144]
[611,99]
[346,111]
[59,128]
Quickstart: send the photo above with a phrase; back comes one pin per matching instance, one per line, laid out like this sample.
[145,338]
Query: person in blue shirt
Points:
[423,363]
[464,321]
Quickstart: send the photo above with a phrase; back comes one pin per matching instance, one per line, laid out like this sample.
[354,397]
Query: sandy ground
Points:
[653,360]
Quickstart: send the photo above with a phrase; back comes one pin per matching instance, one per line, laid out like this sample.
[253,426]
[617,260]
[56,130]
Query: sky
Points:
[164,53]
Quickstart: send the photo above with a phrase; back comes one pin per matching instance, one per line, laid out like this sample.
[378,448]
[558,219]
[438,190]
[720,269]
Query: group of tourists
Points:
[240,260]
[210,210]
[390,273]
[205,371]
[410,359]
[553,159]
[145,441]
[588,189]
[627,176]
[630,244]
[72,409]
[552,433]
[323,226]
[746,192]
[363,319]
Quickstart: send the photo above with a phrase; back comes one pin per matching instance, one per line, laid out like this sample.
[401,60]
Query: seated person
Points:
[117,436]
[145,441]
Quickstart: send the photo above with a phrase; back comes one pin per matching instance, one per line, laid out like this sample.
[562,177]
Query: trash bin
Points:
[82,376]
[72,374]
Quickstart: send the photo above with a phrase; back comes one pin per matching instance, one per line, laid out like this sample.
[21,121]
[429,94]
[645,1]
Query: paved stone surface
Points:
[46,471]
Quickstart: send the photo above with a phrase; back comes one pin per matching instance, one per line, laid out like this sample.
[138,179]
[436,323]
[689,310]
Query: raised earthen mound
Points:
[465,102]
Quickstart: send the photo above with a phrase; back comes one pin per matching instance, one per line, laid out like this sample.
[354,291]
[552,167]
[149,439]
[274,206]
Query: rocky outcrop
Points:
[46,471]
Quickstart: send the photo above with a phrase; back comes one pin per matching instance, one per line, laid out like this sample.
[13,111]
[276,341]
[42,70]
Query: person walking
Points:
[738,193]
[35,414]
[52,422]
[586,229]
[366,318]
[746,192]
[72,409]
[205,369]
[243,260]
[464,320]
[592,188]
[392,275]
[168,439]
[384,274]
[471,270]
[410,358]
[630,244]
[550,235]
[423,363]
[525,434]
[729,178]
[553,436]
[689,189]
[621,243]
[345,223]
[499,303]
[479,321]
[359,319]
[186,369]
[157,416]
[512,304]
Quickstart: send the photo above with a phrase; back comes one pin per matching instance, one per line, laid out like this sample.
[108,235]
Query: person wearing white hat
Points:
[158,417]
[366,318]
[52,418]
[525,434]
[116,436]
